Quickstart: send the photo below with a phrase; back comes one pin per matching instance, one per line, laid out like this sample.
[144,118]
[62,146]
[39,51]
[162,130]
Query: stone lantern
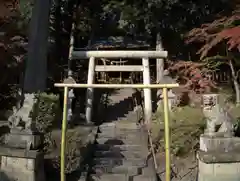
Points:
[167,79]
[171,99]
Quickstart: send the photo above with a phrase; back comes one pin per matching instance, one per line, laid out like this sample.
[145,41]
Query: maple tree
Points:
[222,36]
[212,34]
[194,76]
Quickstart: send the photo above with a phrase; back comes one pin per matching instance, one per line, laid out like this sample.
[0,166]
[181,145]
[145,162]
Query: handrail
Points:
[120,86]
[167,134]
[64,130]
[166,119]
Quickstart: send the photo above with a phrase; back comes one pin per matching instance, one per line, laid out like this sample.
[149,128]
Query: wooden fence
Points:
[222,77]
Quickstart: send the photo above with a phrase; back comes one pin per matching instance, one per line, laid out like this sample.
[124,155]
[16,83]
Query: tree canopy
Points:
[211,24]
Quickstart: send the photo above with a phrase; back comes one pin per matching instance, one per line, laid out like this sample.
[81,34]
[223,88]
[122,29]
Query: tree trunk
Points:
[159,65]
[36,64]
[235,83]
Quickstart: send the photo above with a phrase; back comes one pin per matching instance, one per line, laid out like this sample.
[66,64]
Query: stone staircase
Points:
[120,106]
[121,145]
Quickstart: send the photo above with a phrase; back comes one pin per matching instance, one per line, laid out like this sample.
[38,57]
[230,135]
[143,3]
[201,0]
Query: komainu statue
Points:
[219,121]
[21,119]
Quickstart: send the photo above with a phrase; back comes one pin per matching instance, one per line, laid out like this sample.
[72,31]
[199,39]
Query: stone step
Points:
[123,141]
[150,169]
[119,125]
[83,177]
[106,125]
[118,154]
[126,104]
[116,141]
[133,113]
[116,162]
[120,96]
[127,125]
[131,117]
[108,147]
[128,134]
[123,169]
[123,135]
[127,117]
[144,178]
[109,177]
[120,132]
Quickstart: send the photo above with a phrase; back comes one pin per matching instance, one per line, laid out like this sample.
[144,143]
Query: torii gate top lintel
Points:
[119,54]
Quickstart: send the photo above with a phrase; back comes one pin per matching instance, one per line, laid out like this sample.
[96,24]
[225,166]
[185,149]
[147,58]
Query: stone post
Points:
[218,157]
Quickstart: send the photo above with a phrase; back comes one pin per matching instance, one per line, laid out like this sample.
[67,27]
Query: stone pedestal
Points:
[23,140]
[20,159]
[21,165]
[219,158]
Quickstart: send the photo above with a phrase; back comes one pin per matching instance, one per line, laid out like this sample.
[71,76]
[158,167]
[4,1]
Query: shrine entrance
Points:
[92,56]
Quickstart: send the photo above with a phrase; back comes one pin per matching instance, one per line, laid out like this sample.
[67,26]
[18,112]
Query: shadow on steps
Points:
[119,110]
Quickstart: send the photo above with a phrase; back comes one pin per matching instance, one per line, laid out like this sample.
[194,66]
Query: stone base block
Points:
[219,143]
[14,166]
[218,171]
[23,140]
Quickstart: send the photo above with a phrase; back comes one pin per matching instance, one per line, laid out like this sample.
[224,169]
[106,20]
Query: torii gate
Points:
[144,55]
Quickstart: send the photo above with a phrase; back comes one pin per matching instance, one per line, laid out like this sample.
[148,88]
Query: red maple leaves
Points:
[193,75]
[225,32]
[211,34]
[233,37]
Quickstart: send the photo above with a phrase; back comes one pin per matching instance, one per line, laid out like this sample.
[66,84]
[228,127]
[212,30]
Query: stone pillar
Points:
[21,158]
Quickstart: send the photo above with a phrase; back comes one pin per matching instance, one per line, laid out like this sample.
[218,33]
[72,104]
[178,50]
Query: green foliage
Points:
[175,15]
[46,111]
[213,62]
[25,9]
[186,125]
